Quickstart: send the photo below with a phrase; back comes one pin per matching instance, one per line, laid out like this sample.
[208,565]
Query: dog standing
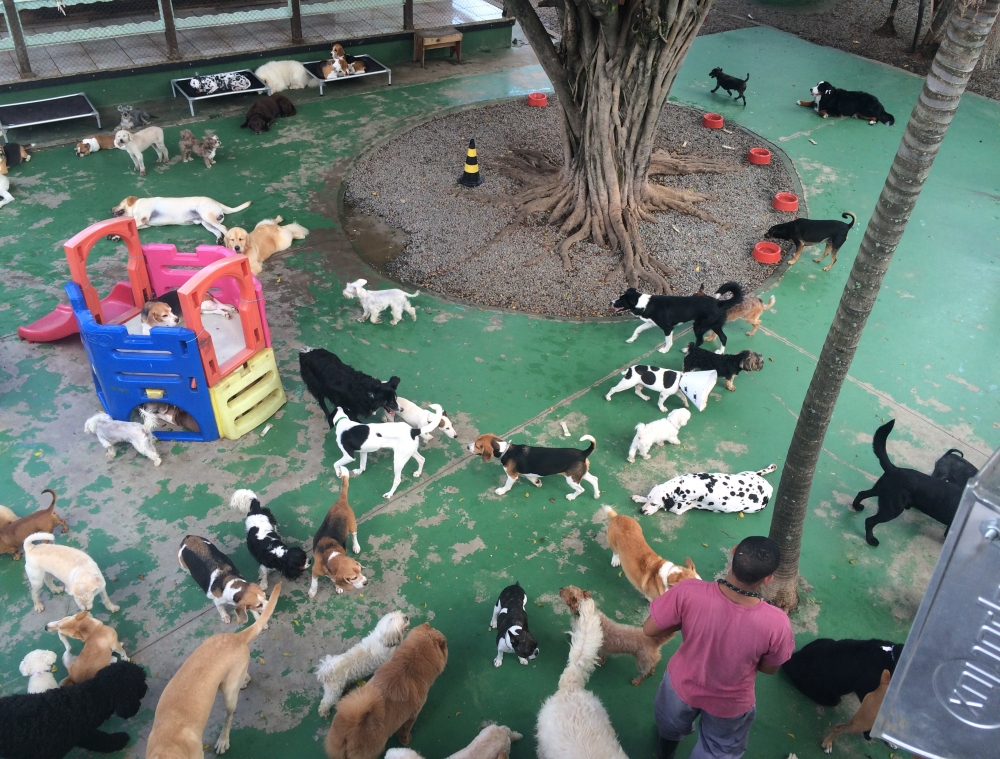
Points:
[329,552]
[205,147]
[110,432]
[804,232]
[264,541]
[510,620]
[358,394]
[37,667]
[648,573]
[748,492]
[418,417]
[99,643]
[730,83]
[698,359]
[135,144]
[13,534]
[663,381]
[220,580]
[952,467]
[221,663]
[535,462]
[830,101]
[657,433]
[266,239]
[750,311]
[78,572]
[374,302]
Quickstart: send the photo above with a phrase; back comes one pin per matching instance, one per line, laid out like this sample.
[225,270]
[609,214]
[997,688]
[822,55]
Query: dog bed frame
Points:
[183,87]
[372,68]
[47,111]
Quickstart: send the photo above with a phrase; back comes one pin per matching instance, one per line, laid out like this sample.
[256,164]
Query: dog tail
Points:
[609,512]
[29,542]
[52,493]
[298,231]
[878,445]
[363,710]
[949,452]
[767,470]
[149,420]
[769,304]
[592,447]
[587,639]
[412,295]
[846,214]
[747,79]
[240,207]
[187,134]
[247,635]
[435,420]
[243,501]
[733,289]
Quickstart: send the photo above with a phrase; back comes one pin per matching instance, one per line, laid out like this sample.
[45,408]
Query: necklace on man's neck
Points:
[742,592]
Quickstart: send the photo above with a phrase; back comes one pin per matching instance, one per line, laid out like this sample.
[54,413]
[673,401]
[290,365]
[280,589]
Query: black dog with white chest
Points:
[804,232]
[700,360]
[668,311]
[264,541]
[358,394]
[510,620]
[899,489]
[830,101]
[827,669]
[730,83]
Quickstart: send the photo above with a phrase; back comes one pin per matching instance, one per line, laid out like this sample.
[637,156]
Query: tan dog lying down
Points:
[218,664]
[99,642]
[864,718]
[266,239]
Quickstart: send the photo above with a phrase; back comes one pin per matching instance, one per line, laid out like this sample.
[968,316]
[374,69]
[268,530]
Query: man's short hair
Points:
[756,557]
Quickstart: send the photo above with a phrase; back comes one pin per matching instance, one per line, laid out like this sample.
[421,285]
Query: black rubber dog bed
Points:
[46,111]
[372,68]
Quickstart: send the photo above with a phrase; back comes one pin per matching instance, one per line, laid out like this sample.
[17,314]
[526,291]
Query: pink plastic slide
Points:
[62,323]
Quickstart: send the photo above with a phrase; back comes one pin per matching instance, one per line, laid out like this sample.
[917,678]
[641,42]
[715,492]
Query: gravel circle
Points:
[409,183]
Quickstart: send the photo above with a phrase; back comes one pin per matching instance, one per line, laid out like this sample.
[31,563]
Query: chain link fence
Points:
[48,38]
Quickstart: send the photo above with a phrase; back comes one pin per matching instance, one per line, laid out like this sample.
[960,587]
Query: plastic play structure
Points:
[221,371]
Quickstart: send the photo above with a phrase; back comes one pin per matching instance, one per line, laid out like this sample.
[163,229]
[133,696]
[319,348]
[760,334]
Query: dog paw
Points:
[222,745]
[39,607]
[312,594]
[664,350]
[356,472]
[571,496]
[646,456]
[498,661]
[499,491]
[324,710]
[630,340]
[363,319]
[631,459]
[721,350]
[607,397]
[340,591]
[648,510]
[388,495]
[639,499]
[114,608]
[523,661]
[226,619]
[827,268]
[56,589]
[616,560]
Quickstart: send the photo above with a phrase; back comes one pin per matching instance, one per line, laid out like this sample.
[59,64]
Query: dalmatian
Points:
[206,85]
[713,491]
[666,382]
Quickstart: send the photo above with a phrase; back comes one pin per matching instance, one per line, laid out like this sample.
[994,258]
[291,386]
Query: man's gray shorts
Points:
[718,738]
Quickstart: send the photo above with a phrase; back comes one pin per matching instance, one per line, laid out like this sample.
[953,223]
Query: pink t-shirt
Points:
[716,665]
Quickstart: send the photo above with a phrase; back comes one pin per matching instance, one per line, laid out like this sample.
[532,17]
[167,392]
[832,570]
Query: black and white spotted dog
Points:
[713,491]
[510,620]
[264,540]
[663,381]
[726,366]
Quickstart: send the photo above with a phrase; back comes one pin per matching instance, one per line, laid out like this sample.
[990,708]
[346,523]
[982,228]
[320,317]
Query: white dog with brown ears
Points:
[135,143]
[374,302]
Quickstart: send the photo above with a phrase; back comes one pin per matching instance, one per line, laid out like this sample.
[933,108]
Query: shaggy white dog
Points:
[657,433]
[493,742]
[37,667]
[573,723]
[374,302]
[361,659]
[109,432]
[285,75]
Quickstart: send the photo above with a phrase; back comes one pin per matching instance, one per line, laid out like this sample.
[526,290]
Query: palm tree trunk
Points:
[951,68]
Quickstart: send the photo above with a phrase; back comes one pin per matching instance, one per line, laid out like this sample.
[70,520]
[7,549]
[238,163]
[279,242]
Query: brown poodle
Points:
[389,702]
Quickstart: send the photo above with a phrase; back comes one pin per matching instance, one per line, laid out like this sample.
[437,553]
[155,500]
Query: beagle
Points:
[535,463]
[165,310]
[216,574]
[95,142]
[330,558]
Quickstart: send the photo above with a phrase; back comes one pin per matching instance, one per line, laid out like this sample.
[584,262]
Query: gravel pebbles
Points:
[410,185]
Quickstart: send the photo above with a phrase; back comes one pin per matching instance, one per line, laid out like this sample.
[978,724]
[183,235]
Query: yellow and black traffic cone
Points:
[471,177]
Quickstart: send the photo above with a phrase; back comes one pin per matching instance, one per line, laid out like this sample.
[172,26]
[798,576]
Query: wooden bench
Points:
[430,39]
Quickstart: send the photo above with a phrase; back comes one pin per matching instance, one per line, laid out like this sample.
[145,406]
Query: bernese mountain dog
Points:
[830,101]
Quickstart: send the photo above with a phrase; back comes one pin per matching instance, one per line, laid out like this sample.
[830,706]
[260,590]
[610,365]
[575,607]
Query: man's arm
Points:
[653,630]
[768,669]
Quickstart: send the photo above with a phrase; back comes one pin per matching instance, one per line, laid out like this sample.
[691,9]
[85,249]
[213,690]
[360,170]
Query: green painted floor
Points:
[442,549]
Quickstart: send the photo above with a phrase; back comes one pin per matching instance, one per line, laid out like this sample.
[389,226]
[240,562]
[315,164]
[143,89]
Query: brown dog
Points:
[330,558]
[535,462]
[750,311]
[266,239]
[620,639]
[864,717]
[389,702]
[99,642]
[13,534]
[218,664]
[95,142]
[651,575]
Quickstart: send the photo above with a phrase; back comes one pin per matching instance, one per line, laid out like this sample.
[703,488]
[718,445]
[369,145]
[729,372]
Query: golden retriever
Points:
[266,239]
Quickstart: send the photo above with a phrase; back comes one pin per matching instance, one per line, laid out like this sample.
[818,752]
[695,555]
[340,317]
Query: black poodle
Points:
[48,725]
[358,394]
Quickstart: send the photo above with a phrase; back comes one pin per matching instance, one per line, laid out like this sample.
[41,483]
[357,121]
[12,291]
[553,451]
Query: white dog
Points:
[493,742]
[77,571]
[573,723]
[666,382]
[37,667]
[4,182]
[361,659]
[285,75]
[657,433]
[713,491]
[398,436]
[135,144]
[110,431]
[374,302]
[418,418]
[165,212]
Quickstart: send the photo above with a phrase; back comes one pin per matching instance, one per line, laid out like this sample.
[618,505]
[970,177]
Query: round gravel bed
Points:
[410,184]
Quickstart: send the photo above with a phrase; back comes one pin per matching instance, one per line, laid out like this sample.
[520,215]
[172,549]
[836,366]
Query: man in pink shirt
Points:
[729,633]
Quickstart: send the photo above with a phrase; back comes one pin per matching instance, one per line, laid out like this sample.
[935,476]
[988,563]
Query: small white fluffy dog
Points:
[285,75]
[110,431]
[657,433]
[71,566]
[360,660]
[374,302]
[573,723]
[418,417]
[493,742]
[37,667]
[135,144]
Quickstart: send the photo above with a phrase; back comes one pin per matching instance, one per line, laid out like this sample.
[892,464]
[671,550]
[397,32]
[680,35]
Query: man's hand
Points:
[653,630]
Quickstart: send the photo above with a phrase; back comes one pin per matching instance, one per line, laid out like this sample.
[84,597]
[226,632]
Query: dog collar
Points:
[742,592]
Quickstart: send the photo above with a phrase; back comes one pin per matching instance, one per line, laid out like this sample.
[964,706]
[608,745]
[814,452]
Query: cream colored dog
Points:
[37,667]
[135,144]
[77,571]
[165,212]
[266,239]
[99,642]
[221,663]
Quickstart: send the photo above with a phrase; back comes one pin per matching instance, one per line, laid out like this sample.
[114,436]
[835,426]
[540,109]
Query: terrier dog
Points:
[374,302]
[13,533]
[730,83]
[71,566]
[666,382]
[204,147]
[133,117]
[264,540]
[99,643]
[510,620]
[110,431]
[750,311]
[727,367]
[37,667]
[657,433]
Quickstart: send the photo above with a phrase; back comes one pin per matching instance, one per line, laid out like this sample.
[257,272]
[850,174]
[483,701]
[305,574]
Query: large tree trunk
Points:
[612,74]
[960,49]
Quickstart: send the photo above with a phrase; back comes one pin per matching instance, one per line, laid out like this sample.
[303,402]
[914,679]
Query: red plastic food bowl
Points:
[767,252]
[712,121]
[785,201]
[538,99]
[759,156]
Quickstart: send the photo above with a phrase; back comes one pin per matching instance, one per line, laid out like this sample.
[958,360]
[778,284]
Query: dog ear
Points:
[486,451]
[81,615]
[241,613]
[688,563]
[586,594]
[393,382]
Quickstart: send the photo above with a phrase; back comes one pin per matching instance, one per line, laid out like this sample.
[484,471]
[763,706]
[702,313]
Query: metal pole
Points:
[14,27]
[296,22]
[169,30]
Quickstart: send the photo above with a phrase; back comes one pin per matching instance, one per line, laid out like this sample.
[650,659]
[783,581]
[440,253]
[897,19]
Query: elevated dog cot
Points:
[47,111]
[217,86]
[372,68]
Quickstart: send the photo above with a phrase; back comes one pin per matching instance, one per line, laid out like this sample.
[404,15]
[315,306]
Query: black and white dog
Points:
[745,492]
[899,489]
[663,381]
[727,367]
[730,83]
[830,101]
[535,462]
[668,311]
[952,467]
[358,394]
[510,620]
[264,540]
[827,669]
